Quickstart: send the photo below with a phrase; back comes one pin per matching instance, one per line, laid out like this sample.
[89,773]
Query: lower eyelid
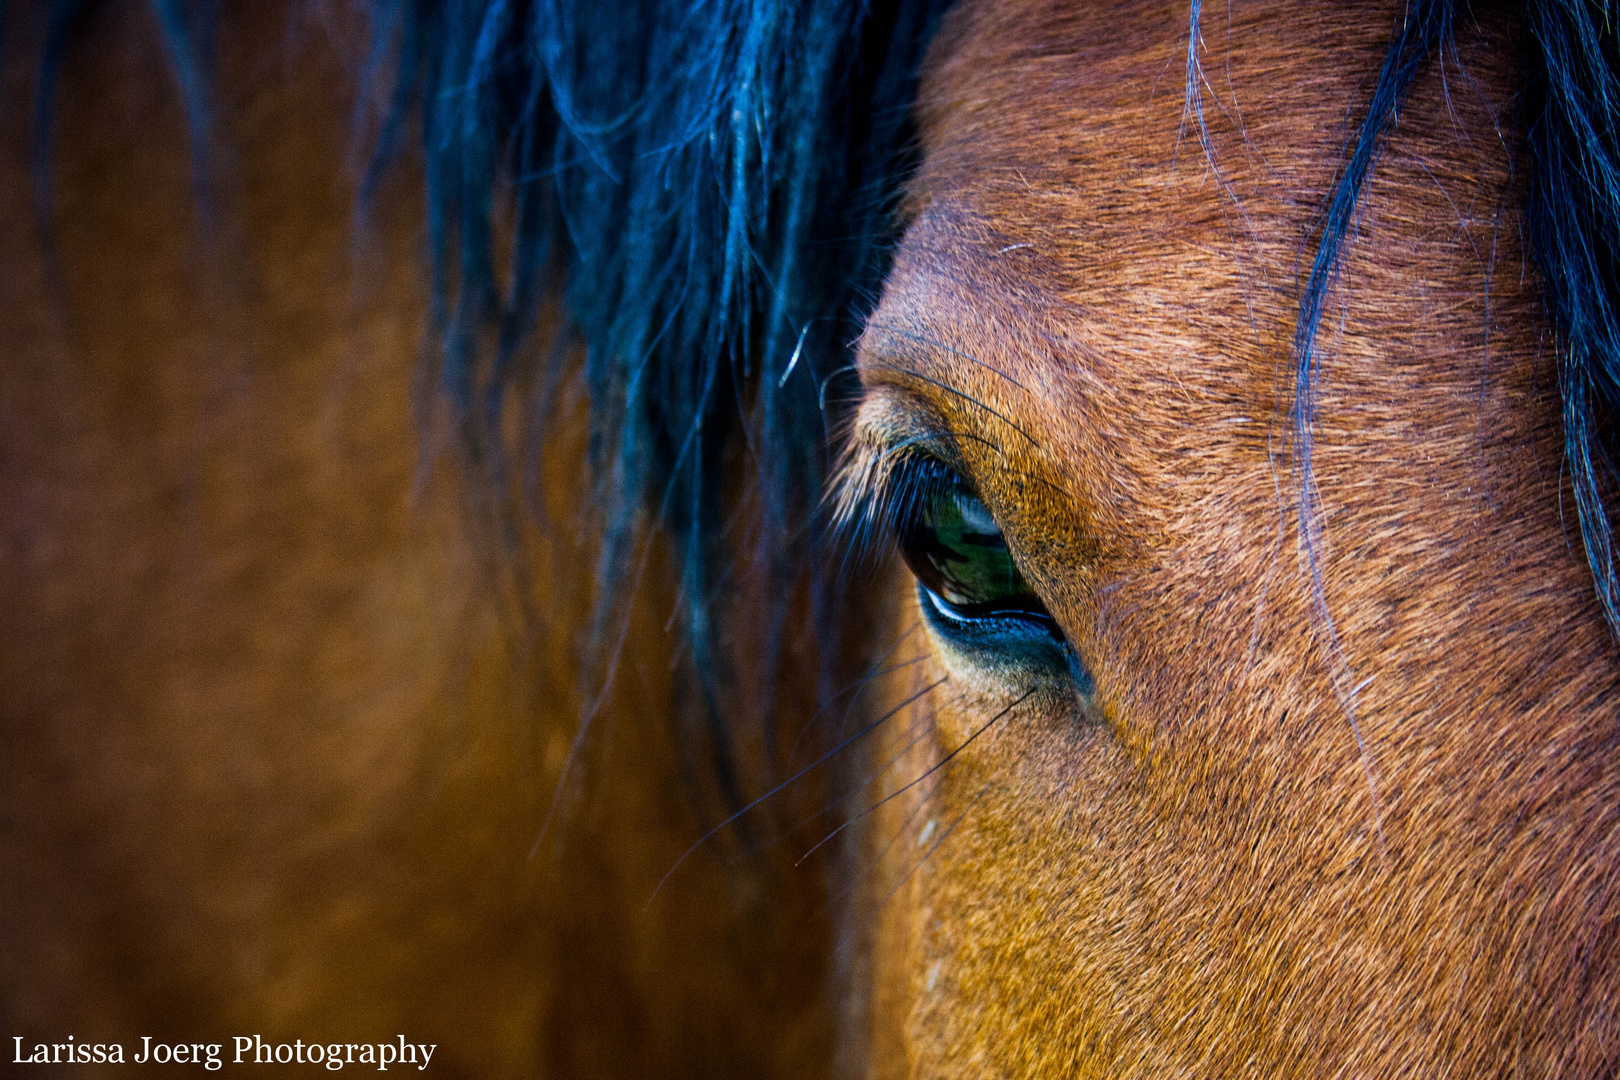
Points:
[1007,641]
[1010,624]
[942,608]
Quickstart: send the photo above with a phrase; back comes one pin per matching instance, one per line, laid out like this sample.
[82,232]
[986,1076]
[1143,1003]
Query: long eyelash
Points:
[878,490]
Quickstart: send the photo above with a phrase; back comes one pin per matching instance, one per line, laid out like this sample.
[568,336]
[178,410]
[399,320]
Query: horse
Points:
[1005,538]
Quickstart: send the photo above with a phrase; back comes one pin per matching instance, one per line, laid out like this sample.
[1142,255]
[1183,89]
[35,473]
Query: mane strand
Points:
[1572,132]
[1570,111]
[711,186]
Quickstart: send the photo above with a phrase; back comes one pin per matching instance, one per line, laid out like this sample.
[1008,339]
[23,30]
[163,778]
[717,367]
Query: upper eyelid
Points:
[863,496]
[947,388]
[887,432]
[890,422]
[894,356]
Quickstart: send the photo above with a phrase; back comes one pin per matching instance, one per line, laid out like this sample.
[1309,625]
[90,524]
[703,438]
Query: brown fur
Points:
[277,741]
[1193,875]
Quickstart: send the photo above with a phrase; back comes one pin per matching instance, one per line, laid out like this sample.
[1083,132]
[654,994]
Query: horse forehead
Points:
[1047,93]
[1084,223]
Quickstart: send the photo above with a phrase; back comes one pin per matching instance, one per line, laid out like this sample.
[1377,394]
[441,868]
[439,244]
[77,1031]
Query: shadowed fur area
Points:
[284,700]
[432,606]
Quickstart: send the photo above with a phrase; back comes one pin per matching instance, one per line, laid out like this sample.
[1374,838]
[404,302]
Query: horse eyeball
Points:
[959,554]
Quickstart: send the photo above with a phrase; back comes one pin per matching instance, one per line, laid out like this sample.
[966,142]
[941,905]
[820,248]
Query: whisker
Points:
[961,394]
[905,822]
[877,860]
[876,671]
[868,729]
[944,835]
[841,799]
[933,343]
[821,391]
[936,767]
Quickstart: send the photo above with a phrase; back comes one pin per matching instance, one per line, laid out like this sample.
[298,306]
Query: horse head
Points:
[1268,700]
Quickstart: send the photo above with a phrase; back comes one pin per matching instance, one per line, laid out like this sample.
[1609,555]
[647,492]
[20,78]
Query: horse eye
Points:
[959,554]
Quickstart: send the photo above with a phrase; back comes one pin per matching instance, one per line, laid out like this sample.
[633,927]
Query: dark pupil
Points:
[959,554]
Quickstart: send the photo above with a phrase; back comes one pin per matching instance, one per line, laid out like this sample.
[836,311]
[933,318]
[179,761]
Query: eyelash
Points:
[873,514]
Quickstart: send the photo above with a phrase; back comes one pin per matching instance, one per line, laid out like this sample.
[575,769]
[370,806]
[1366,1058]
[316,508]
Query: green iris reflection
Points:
[957,551]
